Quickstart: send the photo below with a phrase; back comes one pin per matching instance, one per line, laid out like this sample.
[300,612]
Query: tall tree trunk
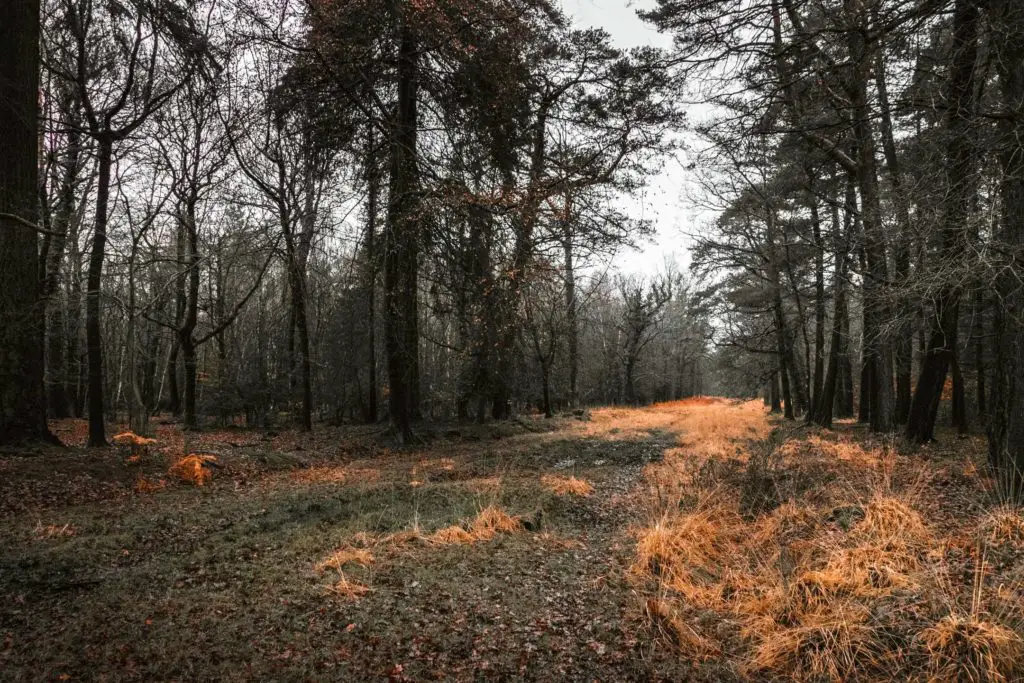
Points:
[370,282]
[22,406]
[401,250]
[844,391]
[819,313]
[74,375]
[903,345]
[793,387]
[942,342]
[1006,423]
[174,403]
[298,290]
[571,306]
[979,353]
[774,398]
[877,313]
[825,397]
[787,393]
[523,249]
[61,226]
[190,318]
[93,340]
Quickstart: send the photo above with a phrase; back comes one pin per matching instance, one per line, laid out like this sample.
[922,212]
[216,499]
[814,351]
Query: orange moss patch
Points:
[567,486]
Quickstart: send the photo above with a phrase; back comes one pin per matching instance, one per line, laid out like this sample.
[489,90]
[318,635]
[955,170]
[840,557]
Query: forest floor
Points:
[697,540]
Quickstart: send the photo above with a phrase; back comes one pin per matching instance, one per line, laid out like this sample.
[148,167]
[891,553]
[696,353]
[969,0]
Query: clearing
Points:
[696,540]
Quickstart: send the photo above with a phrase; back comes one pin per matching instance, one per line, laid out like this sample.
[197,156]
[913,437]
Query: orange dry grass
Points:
[343,556]
[132,439]
[796,587]
[321,474]
[491,521]
[348,589]
[1003,526]
[969,649]
[567,486]
[192,468]
[143,485]
[889,520]
[686,552]
[136,445]
[54,531]
[835,645]
[691,643]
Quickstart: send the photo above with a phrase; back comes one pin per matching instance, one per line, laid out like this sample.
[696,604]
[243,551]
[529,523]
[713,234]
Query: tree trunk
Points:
[545,372]
[373,194]
[773,393]
[979,353]
[56,395]
[22,406]
[571,313]
[903,346]
[787,394]
[877,313]
[401,252]
[942,343]
[793,387]
[819,314]
[298,288]
[186,332]
[826,396]
[1006,423]
[93,340]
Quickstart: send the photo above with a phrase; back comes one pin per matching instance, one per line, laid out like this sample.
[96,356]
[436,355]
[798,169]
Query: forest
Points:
[316,335]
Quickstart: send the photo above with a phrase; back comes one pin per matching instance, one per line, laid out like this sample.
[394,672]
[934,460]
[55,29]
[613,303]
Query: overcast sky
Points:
[664,200]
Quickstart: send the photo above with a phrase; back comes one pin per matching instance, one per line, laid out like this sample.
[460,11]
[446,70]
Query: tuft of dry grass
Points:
[1003,526]
[452,535]
[135,445]
[54,530]
[144,485]
[834,644]
[812,587]
[666,620]
[321,474]
[129,438]
[194,468]
[970,649]
[887,519]
[567,486]
[491,521]
[339,558]
[348,589]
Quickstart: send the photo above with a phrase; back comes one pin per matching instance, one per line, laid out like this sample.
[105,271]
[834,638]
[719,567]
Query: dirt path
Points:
[219,582]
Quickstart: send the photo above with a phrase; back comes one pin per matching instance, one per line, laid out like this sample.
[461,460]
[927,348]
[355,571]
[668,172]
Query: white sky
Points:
[663,202]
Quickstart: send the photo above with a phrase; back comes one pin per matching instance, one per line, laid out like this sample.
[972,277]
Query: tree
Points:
[643,304]
[22,408]
[126,62]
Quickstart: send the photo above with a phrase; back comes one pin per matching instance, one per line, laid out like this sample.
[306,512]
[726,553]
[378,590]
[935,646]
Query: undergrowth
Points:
[810,555]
